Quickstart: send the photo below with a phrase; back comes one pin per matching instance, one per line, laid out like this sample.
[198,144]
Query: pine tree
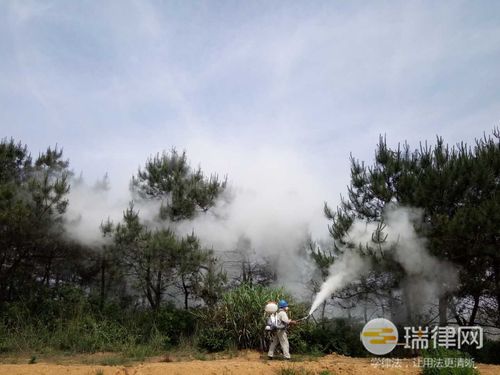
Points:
[456,187]
[159,258]
[33,200]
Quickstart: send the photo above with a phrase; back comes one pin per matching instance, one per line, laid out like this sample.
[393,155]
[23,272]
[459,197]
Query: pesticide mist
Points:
[273,225]
[342,272]
[261,223]
[427,277]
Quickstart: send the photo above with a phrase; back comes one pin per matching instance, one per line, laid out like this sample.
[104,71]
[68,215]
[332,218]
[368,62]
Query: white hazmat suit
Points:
[280,335]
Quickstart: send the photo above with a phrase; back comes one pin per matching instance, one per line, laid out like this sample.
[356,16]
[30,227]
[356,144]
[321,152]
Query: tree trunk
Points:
[392,306]
[496,293]
[103,282]
[186,293]
[323,308]
[443,310]
[48,267]
[365,311]
[474,310]
[408,305]
[148,289]
[496,270]
[158,290]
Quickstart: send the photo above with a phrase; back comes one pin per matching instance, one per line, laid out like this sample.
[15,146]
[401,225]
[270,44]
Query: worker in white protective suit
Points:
[279,331]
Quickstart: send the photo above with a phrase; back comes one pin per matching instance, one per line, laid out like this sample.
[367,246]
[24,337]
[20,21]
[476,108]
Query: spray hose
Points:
[304,318]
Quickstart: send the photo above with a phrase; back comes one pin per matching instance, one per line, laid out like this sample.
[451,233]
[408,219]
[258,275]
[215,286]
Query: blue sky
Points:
[263,90]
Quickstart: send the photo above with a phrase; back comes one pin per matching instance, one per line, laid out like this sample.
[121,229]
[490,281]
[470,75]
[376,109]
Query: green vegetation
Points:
[214,339]
[487,354]
[457,191]
[144,289]
[240,314]
[139,334]
[332,335]
[459,362]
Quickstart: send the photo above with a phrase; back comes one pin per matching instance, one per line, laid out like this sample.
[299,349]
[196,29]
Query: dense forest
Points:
[145,288]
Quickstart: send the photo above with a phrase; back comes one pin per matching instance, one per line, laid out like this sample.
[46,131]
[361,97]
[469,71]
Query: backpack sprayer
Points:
[272,322]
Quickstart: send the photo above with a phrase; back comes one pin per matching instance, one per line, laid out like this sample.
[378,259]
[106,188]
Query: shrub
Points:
[214,339]
[488,353]
[335,335]
[298,338]
[168,321]
[440,354]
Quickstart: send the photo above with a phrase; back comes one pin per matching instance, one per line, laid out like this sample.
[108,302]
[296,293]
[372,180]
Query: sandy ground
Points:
[245,364]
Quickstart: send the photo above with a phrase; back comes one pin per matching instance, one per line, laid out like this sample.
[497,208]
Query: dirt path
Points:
[246,364]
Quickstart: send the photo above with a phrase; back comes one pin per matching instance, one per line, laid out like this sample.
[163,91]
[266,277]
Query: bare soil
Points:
[245,363]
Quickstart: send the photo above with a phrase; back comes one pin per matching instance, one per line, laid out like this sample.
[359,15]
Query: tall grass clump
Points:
[239,318]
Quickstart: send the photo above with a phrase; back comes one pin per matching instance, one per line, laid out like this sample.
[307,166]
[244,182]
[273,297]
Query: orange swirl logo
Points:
[379,336]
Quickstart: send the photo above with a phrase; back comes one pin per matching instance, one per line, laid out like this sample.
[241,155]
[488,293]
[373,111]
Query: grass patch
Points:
[441,361]
[115,360]
[200,356]
[314,356]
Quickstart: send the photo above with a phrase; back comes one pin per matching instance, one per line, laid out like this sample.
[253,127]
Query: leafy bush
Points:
[214,339]
[297,337]
[488,353]
[335,335]
[441,354]
[169,321]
